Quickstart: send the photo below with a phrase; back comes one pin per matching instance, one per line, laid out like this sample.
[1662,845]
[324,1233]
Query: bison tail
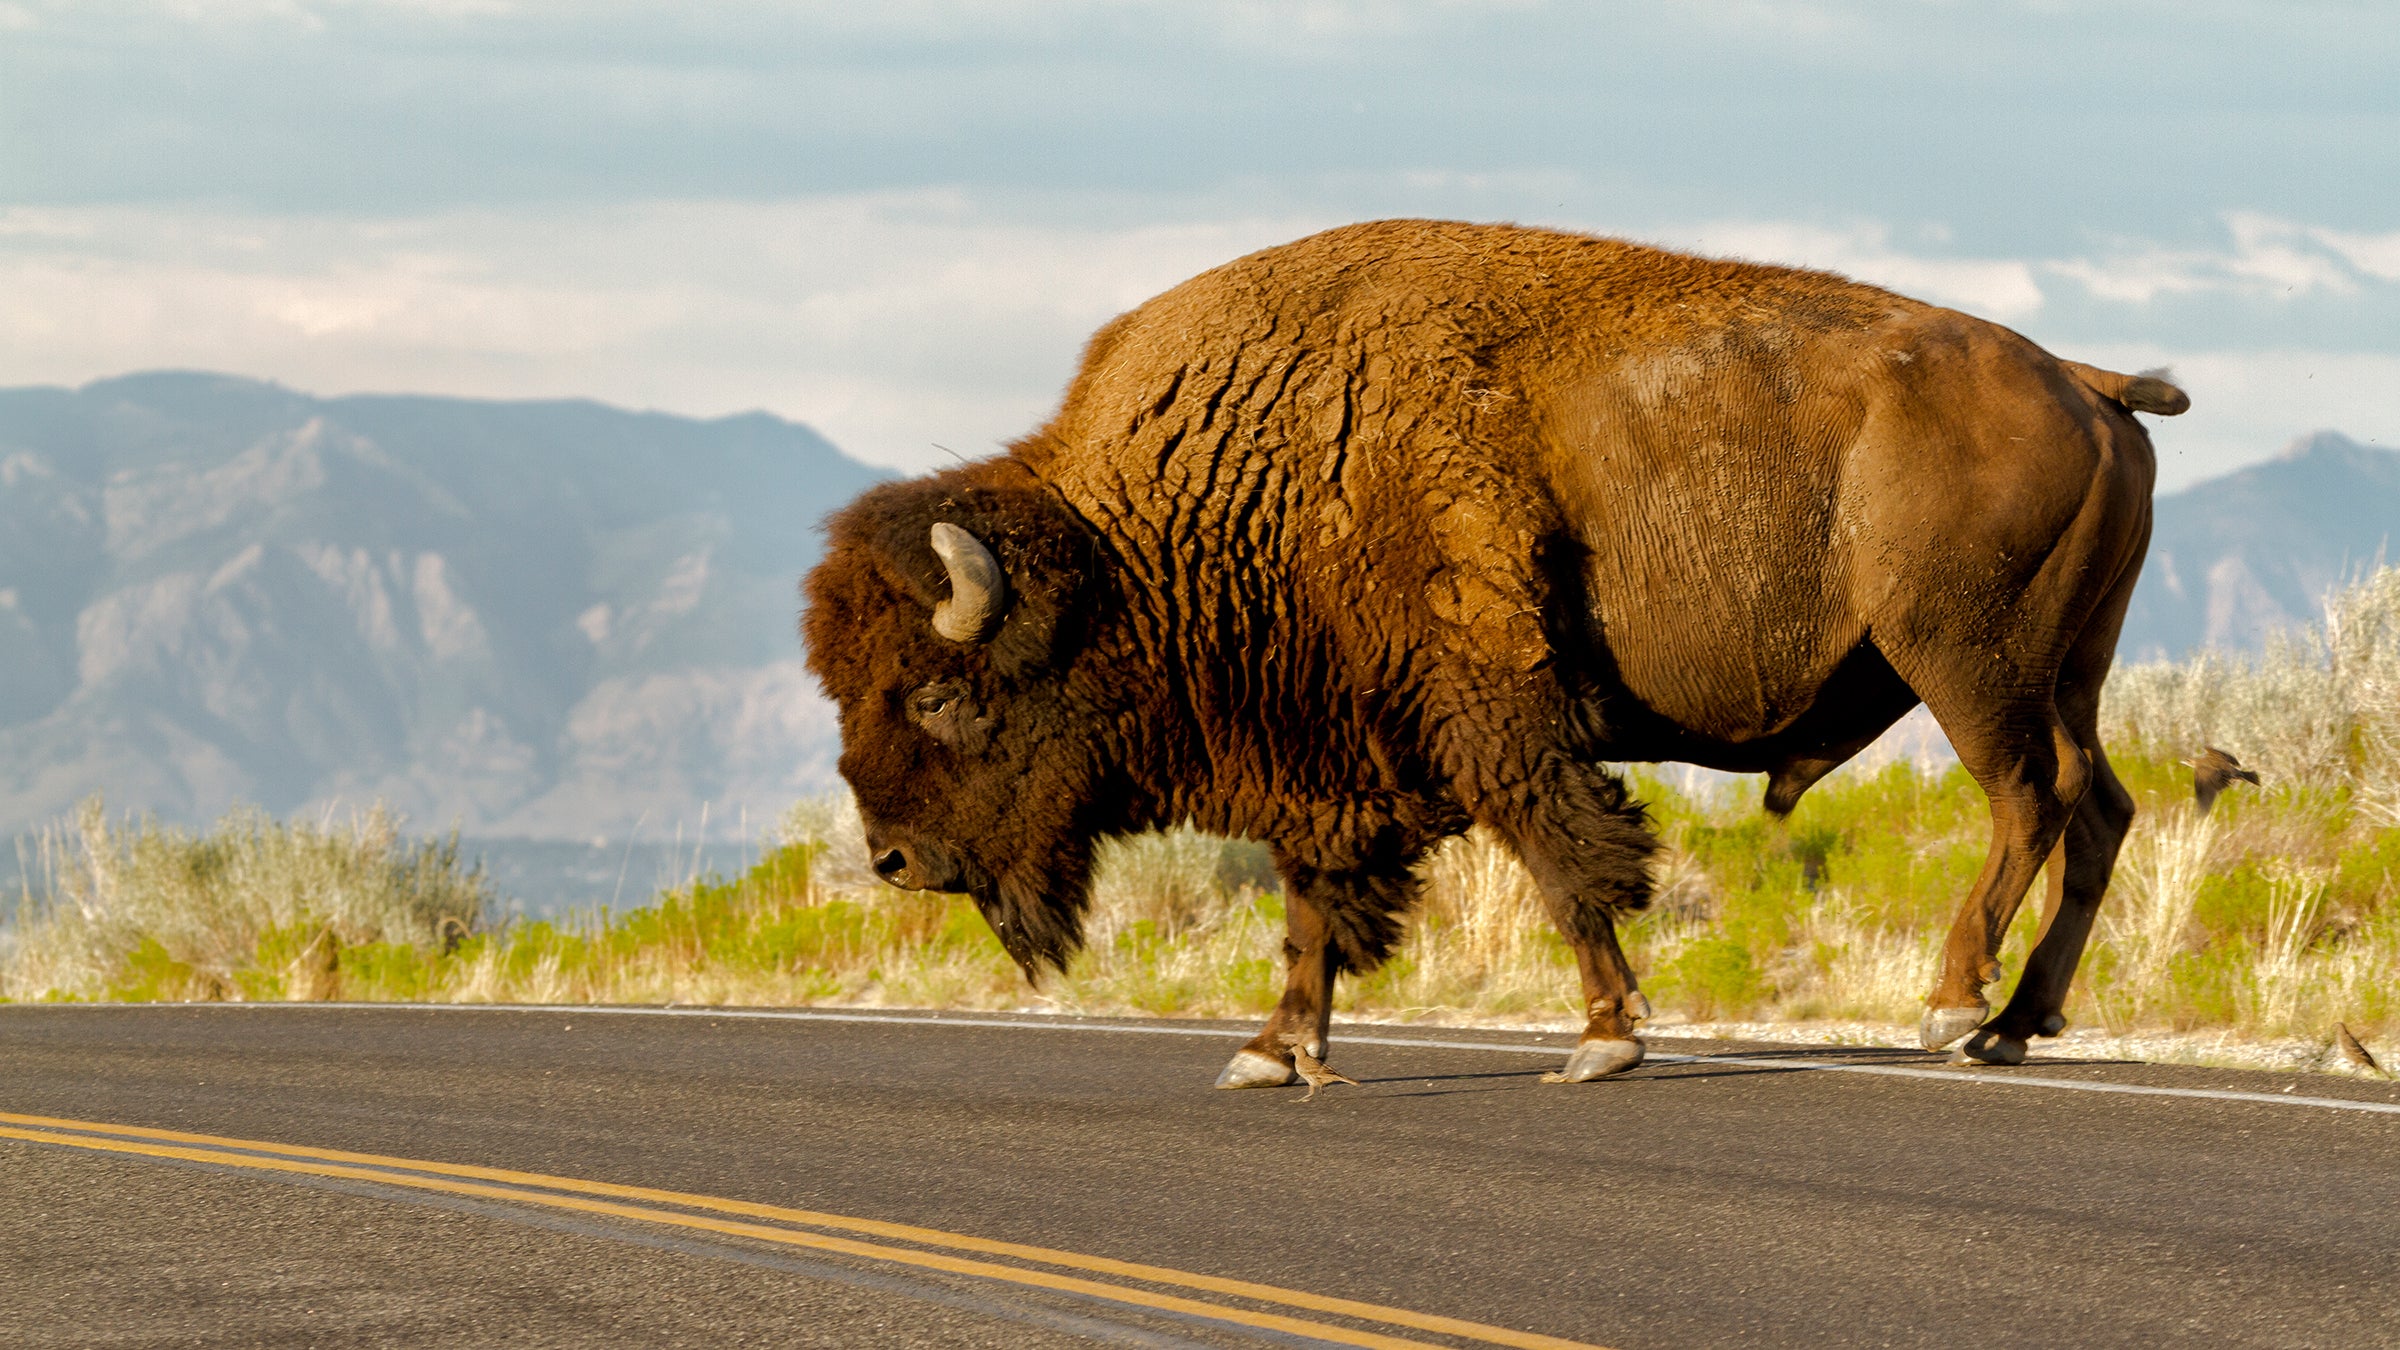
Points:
[2149,392]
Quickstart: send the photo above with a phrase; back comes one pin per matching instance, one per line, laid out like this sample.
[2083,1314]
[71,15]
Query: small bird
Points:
[1315,1071]
[2355,1052]
[2213,772]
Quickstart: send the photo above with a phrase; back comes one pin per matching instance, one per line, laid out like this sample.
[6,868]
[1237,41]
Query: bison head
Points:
[948,620]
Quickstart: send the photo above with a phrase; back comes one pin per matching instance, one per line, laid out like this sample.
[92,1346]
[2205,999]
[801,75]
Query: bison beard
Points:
[1409,526]
[1039,926]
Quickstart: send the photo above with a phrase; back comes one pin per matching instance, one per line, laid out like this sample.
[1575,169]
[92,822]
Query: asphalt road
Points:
[158,1186]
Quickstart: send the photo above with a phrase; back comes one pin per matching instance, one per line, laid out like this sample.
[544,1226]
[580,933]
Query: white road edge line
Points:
[1990,1077]
[1980,1076]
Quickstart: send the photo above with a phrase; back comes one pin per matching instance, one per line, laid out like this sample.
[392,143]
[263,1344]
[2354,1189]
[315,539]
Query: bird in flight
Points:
[2213,772]
[2356,1053]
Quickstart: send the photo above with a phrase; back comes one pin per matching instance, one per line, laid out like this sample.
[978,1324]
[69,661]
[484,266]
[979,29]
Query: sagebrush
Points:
[254,908]
[2275,916]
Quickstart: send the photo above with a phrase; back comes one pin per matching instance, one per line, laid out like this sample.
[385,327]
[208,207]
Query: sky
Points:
[899,225]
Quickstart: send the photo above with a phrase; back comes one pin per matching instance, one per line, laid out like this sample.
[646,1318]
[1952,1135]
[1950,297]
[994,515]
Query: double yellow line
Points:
[928,1248]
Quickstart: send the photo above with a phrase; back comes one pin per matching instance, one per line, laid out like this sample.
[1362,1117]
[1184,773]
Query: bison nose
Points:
[890,863]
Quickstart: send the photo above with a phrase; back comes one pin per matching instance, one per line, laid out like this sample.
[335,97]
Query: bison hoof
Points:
[2053,1024]
[1597,1059]
[1250,1069]
[1985,1047]
[1944,1025]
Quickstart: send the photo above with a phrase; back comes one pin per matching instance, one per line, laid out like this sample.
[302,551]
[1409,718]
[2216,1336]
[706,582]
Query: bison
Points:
[1354,542]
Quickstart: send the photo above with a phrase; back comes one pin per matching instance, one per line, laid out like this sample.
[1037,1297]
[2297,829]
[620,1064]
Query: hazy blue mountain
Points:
[564,621]
[549,620]
[2235,558]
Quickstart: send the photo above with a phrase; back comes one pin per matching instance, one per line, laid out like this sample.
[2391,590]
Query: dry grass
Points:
[2320,709]
[2271,919]
[251,909]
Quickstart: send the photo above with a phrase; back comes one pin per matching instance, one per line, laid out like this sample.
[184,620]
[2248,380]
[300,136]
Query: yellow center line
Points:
[212,1146]
[1322,1331]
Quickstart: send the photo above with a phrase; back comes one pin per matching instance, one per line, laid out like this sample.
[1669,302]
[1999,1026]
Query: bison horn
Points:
[978,588]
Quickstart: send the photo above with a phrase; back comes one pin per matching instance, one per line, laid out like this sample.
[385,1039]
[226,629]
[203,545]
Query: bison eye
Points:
[934,700]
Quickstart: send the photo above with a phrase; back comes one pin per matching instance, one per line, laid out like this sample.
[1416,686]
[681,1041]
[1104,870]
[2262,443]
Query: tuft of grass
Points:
[2318,710]
[2274,917]
[252,909]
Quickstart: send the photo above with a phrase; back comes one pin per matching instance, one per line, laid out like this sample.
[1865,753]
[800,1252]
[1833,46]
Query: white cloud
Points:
[2268,257]
[1303,28]
[897,322]
[1258,23]
[228,12]
[2377,255]
[1999,288]
[891,322]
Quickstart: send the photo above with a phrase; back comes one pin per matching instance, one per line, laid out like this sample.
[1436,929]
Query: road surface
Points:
[326,1176]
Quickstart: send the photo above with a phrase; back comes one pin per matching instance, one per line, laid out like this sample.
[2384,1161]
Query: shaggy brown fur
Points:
[1352,542]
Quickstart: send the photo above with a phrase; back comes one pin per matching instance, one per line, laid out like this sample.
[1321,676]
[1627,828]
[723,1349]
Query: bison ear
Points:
[1045,574]
[994,558]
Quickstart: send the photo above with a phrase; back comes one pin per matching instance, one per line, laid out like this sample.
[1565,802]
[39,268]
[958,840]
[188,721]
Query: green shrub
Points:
[1711,977]
[2274,916]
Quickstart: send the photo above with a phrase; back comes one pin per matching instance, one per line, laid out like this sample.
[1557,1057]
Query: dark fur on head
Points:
[1093,712]
[998,793]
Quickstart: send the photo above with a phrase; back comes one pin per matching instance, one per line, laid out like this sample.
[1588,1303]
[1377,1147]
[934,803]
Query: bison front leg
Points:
[1613,1006]
[1588,847]
[1303,1013]
[1333,921]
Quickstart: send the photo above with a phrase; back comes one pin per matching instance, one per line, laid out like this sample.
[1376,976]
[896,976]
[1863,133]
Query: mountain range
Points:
[549,620]
[2238,558]
[564,621]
